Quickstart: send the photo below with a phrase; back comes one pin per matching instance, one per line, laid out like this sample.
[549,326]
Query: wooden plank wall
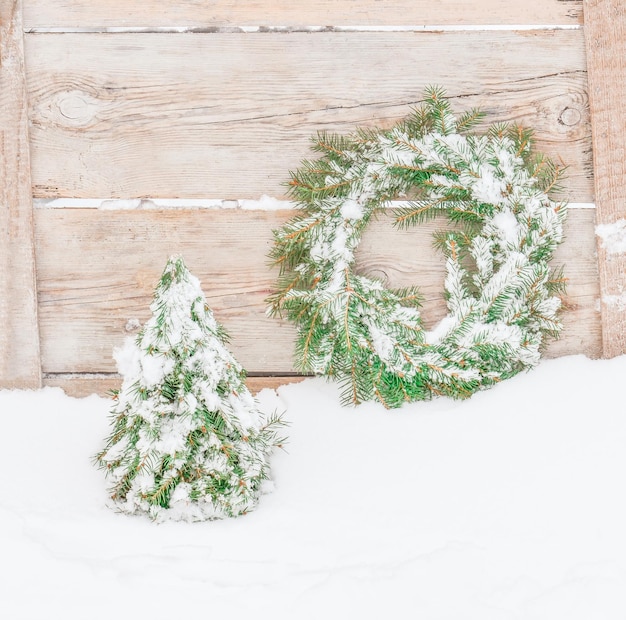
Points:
[218,100]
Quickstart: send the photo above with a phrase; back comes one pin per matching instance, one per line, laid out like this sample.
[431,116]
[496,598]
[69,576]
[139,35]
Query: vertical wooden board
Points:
[19,336]
[295,13]
[605,35]
[228,115]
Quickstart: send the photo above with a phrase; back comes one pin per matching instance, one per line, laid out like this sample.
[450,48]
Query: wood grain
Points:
[97,270]
[605,32]
[228,115]
[19,337]
[229,13]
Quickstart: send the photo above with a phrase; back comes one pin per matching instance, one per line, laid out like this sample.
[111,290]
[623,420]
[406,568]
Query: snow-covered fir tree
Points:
[188,440]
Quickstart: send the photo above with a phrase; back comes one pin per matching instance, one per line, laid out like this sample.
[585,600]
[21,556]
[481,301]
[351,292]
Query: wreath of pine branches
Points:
[502,297]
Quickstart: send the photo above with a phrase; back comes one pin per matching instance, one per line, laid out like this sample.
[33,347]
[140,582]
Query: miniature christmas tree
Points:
[188,440]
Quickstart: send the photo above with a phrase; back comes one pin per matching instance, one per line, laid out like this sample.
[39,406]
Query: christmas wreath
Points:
[502,297]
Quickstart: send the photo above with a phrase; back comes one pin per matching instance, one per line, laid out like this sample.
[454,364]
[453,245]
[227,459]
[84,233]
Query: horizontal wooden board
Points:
[228,115]
[228,13]
[97,270]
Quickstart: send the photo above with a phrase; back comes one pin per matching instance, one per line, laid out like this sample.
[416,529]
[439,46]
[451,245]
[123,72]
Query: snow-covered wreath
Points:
[502,297]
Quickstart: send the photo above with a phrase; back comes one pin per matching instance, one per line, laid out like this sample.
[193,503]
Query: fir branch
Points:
[469,119]
[420,211]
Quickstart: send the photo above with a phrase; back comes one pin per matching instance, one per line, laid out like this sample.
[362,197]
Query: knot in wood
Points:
[379,274]
[76,107]
[569,117]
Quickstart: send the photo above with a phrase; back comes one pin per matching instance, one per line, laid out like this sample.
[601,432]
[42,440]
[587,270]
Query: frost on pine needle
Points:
[188,441]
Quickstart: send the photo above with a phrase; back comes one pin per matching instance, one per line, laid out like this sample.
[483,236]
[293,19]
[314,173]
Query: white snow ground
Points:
[509,506]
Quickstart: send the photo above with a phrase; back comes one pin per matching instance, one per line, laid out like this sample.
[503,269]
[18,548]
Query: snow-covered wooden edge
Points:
[605,35]
[19,335]
[278,29]
[79,385]
[263,203]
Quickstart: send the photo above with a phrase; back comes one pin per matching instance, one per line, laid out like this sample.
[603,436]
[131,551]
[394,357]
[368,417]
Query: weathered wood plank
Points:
[19,337]
[97,270]
[228,13]
[85,385]
[605,32]
[228,115]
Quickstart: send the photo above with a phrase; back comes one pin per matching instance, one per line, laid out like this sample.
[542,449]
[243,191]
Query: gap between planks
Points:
[265,203]
[290,29]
